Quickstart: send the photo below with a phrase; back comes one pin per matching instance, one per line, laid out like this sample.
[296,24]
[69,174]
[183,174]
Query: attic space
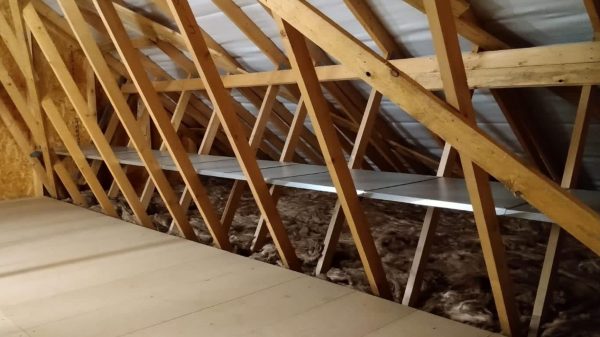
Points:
[299,168]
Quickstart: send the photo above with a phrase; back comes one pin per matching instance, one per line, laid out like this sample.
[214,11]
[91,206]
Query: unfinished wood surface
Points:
[287,154]
[69,183]
[388,46]
[130,58]
[22,141]
[569,180]
[458,95]
[22,107]
[68,271]
[16,41]
[555,65]
[587,100]
[78,101]
[78,157]
[573,216]
[205,147]
[90,48]
[176,120]
[356,159]
[329,143]
[223,104]
[256,138]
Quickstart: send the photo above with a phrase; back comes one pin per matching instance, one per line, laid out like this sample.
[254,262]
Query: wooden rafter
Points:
[458,95]
[264,114]
[69,183]
[321,120]
[386,43]
[155,109]
[569,180]
[570,176]
[78,157]
[575,217]
[287,154]
[72,91]
[223,104]
[176,120]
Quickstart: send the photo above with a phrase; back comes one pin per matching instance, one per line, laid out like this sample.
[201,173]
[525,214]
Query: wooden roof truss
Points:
[146,102]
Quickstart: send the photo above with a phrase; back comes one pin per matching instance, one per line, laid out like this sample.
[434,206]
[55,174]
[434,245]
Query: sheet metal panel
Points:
[364,181]
[447,193]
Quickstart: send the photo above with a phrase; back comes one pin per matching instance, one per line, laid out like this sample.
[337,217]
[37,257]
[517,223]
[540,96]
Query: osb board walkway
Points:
[66,271]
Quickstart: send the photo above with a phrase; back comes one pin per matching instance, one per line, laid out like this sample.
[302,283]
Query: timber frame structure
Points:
[316,71]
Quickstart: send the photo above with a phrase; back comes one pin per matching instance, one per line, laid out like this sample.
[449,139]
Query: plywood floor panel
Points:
[67,271]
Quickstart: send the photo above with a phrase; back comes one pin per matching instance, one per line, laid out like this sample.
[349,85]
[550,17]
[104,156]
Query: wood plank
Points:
[205,147]
[176,119]
[318,112]
[587,100]
[183,62]
[70,185]
[287,154]
[256,138]
[23,142]
[19,49]
[72,91]
[78,157]
[252,31]
[154,31]
[130,57]
[223,103]
[356,159]
[556,237]
[593,9]
[385,41]
[83,269]
[458,95]
[375,28]
[466,28]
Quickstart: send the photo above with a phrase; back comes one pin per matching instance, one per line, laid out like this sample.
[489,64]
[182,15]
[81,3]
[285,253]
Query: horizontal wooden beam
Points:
[556,65]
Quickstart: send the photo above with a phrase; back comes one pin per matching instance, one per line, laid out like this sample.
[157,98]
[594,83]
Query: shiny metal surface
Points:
[422,190]
[450,193]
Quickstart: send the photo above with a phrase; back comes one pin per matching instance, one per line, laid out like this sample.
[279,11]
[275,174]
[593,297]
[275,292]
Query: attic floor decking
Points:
[67,271]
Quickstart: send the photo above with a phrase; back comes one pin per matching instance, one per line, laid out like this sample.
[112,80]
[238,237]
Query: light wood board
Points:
[67,271]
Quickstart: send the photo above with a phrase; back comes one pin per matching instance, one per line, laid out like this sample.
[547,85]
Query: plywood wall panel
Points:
[16,176]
